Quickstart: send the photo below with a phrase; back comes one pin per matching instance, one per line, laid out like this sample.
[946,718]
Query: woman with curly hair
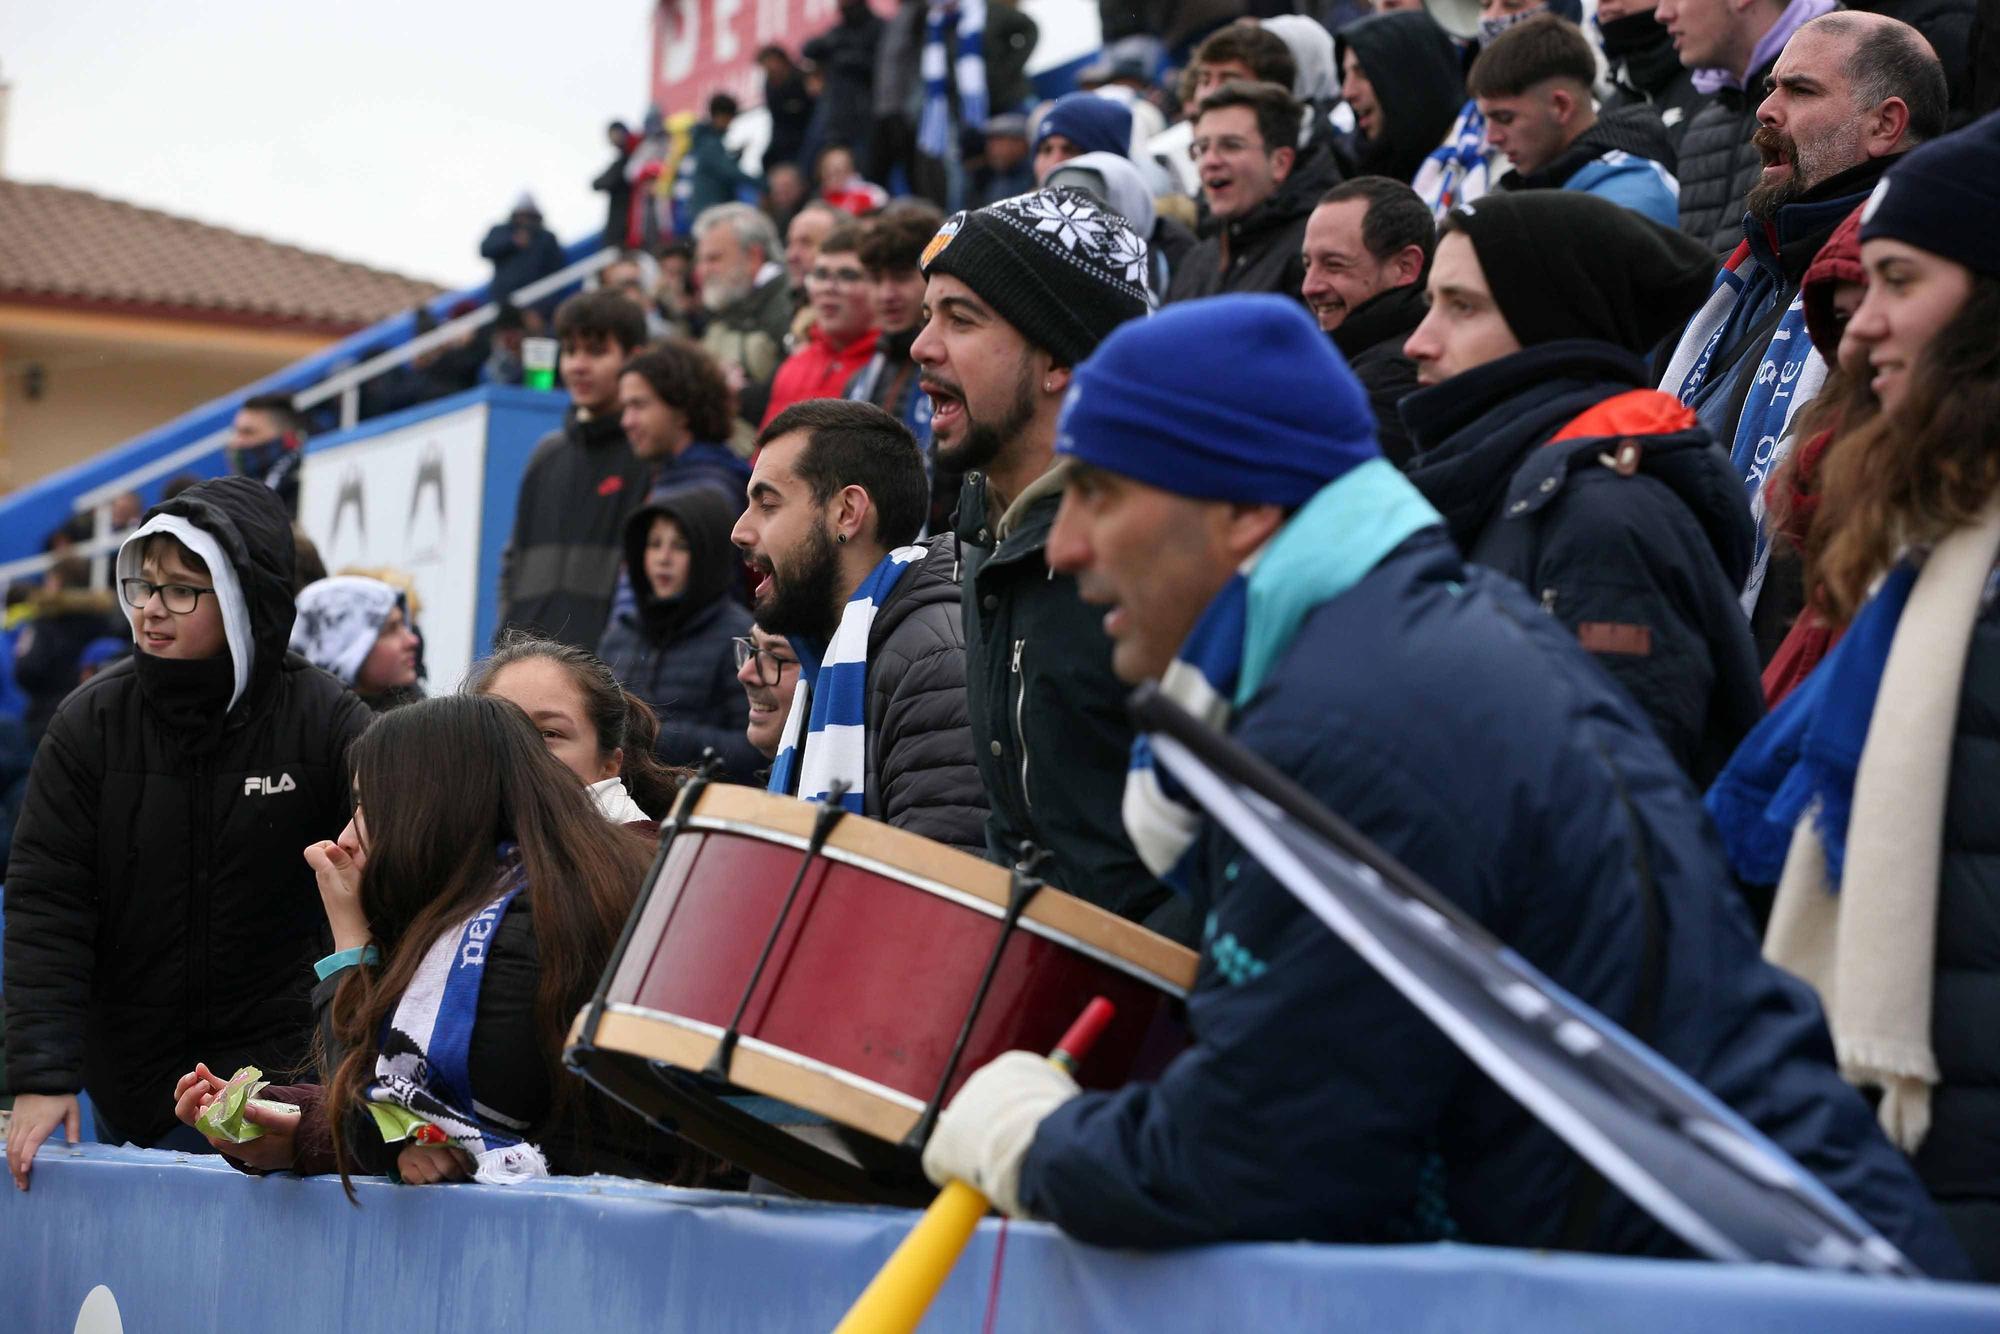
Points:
[1871,797]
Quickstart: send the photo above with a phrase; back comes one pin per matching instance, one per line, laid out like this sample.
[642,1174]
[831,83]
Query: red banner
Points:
[710,46]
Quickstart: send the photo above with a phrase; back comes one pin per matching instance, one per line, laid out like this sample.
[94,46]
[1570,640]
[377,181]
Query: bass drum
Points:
[798,987]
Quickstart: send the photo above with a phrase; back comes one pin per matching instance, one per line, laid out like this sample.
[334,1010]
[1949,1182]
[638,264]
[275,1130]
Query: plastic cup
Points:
[538,362]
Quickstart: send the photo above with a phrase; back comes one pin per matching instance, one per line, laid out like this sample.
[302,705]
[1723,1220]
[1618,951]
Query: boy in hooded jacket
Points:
[158,910]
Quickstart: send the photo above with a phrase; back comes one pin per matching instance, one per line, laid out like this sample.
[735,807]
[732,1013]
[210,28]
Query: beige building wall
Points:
[105,378]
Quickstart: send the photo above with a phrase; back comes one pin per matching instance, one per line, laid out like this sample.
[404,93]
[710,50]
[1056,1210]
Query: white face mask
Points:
[1493,27]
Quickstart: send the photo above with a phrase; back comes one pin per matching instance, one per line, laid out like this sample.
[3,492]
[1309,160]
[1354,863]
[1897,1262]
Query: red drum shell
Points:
[870,979]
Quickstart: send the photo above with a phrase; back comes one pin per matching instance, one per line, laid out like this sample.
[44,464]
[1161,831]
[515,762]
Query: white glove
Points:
[985,1131]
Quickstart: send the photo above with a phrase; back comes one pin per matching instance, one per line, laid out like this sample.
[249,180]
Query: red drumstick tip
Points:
[1084,1033]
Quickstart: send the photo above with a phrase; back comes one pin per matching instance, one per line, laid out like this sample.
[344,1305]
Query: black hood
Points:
[1418,83]
[1641,52]
[1395,314]
[249,523]
[706,518]
[1635,130]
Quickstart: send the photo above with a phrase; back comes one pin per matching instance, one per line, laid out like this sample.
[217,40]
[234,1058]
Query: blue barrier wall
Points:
[185,1243]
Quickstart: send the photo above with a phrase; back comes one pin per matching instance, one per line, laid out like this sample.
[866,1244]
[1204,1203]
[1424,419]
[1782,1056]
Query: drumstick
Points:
[902,1291]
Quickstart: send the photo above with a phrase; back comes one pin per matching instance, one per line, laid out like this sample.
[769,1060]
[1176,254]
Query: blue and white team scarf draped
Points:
[424,1065]
[1457,170]
[829,711]
[1788,376]
[1334,540]
[968,19]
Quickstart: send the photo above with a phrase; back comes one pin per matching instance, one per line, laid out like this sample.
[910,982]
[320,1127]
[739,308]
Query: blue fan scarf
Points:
[967,19]
[1804,755]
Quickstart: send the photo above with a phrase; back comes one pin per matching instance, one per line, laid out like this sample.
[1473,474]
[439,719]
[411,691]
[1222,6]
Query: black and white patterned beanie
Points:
[339,621]
[1053,264]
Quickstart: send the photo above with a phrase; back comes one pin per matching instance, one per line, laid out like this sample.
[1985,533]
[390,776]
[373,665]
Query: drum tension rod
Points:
[1022,887]
[829,816]
[690,794]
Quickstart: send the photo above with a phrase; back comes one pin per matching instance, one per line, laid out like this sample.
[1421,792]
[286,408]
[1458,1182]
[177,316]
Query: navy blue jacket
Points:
[1644,566]
[1475,742]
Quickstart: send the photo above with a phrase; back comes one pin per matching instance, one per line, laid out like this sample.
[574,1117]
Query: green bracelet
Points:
[334,962]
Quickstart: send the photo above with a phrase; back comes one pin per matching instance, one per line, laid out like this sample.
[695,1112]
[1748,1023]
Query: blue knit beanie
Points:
[1237,398]
[1942,196]
[1094,124]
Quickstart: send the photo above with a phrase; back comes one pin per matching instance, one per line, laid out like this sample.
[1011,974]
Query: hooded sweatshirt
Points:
[158,911]
[676,653]
[1418,82]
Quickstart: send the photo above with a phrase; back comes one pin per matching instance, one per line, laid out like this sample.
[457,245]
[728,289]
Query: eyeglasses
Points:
[770,667]
[1229,145]
[180,599]
[837,277]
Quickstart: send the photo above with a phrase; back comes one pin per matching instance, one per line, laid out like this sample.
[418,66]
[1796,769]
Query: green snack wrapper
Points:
[223,1118]
[396,1123]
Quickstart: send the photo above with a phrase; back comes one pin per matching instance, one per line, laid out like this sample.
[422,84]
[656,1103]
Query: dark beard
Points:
[984,440]
[1763,200]
[803,602]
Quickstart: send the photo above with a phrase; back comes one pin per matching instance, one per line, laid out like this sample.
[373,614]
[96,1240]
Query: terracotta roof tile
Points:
[71,246]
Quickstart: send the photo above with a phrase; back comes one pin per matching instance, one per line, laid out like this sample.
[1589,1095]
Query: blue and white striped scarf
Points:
[1334,540]
[424,1066]
[968,19]
[830,704]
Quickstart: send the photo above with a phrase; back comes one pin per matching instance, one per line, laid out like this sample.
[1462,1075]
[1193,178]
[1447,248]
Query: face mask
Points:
[1493,27]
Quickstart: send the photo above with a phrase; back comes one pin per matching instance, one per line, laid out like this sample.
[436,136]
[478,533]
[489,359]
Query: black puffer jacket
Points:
[678,655]
[158,909]
[920,774]
[1372,338]
[1960,1159]
[1262,250]
[1642,560]
[52,641]
[560,567]
[1719,165]
[1049,727]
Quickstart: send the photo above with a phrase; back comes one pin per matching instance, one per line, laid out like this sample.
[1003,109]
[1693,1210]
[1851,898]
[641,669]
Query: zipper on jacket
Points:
[201,835]
[1020,731]
[1549,599]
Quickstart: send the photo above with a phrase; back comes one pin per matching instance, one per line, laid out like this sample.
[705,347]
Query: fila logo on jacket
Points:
[254,786]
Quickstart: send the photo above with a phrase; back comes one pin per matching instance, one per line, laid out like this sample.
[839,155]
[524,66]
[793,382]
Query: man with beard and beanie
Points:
[1551,460]
[157,907]
[560,566]
[1367,249]
[836,500]
[1533,85]
[1245,533]
[674,648]
[1259,187]
[1645,70]
[1850,93]
[1401,76]
[1018,293]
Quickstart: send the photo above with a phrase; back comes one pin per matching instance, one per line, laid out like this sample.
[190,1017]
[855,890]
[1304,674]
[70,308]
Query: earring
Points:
[840,537]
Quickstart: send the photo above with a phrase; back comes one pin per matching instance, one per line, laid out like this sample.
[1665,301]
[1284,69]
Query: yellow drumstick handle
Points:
[902,1290]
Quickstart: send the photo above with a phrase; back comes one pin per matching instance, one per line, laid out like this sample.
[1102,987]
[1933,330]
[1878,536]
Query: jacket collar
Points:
[1394,313]
[1787,244]
[1473,432]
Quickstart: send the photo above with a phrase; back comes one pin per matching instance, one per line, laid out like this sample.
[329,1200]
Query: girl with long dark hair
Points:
[1871,796]
[597,729]
[496,895]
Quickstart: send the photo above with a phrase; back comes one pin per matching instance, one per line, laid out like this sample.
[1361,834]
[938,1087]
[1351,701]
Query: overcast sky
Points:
[389,133]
